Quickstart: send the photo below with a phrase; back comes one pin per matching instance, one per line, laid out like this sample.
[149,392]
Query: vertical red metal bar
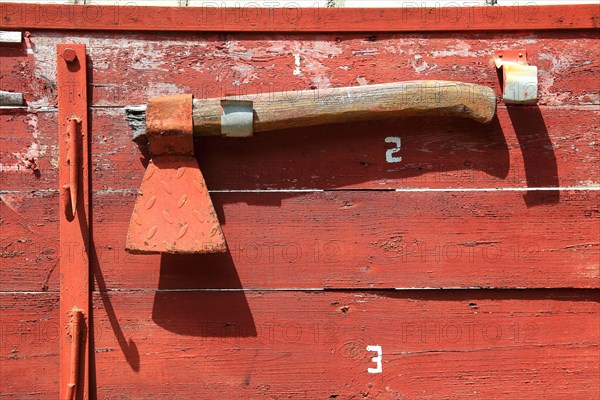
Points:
[74,220]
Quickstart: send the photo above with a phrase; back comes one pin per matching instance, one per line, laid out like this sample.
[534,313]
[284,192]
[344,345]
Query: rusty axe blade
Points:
[173,212]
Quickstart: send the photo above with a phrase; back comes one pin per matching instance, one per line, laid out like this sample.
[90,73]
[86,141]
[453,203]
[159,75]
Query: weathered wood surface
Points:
[525,147]
[331,239]
[289,17]
[29,345]
[165,329]
[312,345]
[129,70]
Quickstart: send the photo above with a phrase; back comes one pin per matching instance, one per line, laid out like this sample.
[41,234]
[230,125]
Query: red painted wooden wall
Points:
[473,262]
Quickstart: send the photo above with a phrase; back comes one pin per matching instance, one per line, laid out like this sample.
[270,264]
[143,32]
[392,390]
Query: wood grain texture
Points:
[525,147]
[291,18]
[462,344]
[29,345]
[313,345]
[30,247]
[165,328]
[130,70]
[370,239]
[331,239]
[308,108]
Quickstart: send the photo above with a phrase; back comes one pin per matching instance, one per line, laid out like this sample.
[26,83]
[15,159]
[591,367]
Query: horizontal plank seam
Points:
[481,349]
[455,289]
[500,105]
[509,189]
[44,109]
[515,189]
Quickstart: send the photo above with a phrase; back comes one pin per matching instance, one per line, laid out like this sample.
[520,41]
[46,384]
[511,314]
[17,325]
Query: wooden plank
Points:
[29,150]
[18,72]
[131,70]
[29,345]
[337,239]
[371,239]
[313,344]
[29,248]
[222,19]
[526,147]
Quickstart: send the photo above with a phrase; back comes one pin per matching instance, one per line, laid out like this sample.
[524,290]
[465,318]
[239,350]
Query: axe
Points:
[173,212]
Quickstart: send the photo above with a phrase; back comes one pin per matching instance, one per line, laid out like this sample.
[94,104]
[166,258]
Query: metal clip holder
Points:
[518,79]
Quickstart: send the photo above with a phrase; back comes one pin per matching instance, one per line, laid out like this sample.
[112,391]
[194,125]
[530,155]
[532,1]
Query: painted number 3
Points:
[389,154]
[376,360]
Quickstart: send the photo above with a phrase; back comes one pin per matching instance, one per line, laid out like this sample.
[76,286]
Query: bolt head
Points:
[69,55]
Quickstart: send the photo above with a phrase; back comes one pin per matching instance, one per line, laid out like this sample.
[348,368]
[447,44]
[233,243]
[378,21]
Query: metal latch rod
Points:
[73,161]
[75,325]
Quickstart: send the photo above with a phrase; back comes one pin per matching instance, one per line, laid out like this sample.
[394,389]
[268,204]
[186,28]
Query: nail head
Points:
[69,55]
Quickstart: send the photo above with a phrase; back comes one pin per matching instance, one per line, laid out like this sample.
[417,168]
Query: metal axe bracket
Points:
[518,79]
[173,212]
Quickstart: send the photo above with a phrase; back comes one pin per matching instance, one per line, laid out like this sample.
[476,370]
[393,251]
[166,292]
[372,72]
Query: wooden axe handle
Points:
[293,109]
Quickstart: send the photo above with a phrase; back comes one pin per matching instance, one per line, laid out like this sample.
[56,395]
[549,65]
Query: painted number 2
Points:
[389,154]
[376,360]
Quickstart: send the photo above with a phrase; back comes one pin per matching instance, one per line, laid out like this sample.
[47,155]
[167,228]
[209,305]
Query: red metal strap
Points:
[173,212]
[74,220]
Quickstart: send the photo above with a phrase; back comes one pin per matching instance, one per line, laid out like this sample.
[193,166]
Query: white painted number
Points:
[389,154]
[376,360]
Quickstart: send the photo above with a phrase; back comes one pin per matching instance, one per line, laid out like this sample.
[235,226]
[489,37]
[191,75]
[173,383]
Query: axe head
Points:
[173,212]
